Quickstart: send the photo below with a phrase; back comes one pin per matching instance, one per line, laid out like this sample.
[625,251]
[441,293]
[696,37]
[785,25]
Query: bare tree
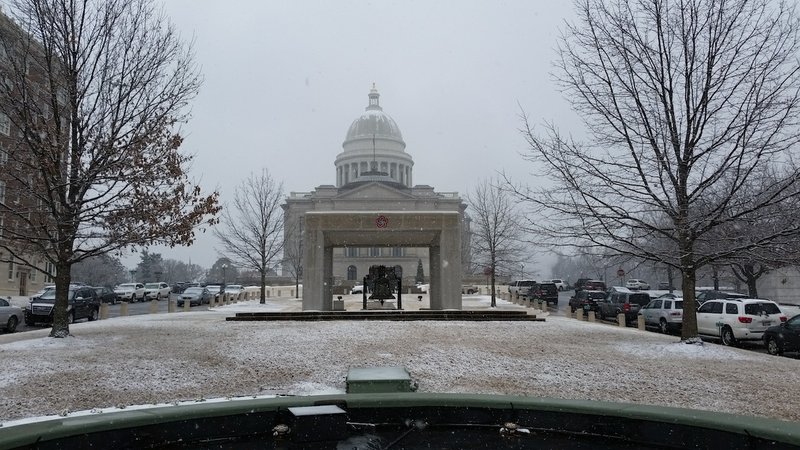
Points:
[496,228]
[686,103]
[251,230]
[101,270]
[96,92]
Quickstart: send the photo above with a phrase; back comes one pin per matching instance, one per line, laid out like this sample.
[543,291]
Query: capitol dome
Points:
[374,147]
[374,123]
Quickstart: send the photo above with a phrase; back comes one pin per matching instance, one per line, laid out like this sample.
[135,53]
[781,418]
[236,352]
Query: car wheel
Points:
[572,309]
[158,297]
[133,298]
[93,315]
[662,326]
[11,326]
[600,315]
[773,347]
[726,335]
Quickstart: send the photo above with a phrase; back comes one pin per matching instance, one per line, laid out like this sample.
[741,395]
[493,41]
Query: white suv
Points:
[737,319]
[559,283]
[637,284]
[130,292]
[156,291]
[664,313]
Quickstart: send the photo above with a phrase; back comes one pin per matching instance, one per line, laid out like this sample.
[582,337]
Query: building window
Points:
[3,155]
[11,271]
[351,252]
[352,273]
[375,251]
[2,192]
[398,251]
[5,124]
[51,272]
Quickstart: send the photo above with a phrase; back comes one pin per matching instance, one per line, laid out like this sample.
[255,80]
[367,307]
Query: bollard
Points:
[123,309]
[171,306]
[543,306]
[641,323]
[579,313]
[227,299]
[186,305]
[153,306]
[103,311]
[591,316]
[621,320]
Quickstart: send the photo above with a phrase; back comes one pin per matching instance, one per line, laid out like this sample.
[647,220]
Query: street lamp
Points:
[224,268]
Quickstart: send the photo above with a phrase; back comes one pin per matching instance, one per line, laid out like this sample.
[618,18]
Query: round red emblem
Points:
[381,221]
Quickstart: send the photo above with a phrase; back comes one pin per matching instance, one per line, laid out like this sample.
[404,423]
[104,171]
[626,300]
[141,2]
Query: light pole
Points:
[224,268]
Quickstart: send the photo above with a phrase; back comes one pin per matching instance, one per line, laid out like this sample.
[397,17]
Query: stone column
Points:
[435,268]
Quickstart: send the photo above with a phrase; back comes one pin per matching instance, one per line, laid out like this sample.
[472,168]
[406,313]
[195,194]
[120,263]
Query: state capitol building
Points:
[373,173]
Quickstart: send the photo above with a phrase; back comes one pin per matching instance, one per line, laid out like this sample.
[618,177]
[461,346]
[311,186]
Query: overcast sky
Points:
[284,81]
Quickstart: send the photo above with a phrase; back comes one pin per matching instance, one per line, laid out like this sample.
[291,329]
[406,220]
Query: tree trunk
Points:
[60,315]
[689,279]
[752,290]
[263,299]
[297,287]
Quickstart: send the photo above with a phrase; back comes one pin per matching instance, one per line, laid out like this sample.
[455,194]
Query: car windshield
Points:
[50,294]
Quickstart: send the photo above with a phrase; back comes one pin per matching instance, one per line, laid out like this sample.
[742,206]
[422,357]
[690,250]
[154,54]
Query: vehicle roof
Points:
[741,300]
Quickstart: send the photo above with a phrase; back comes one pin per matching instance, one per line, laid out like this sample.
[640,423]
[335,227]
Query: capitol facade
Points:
[374,173]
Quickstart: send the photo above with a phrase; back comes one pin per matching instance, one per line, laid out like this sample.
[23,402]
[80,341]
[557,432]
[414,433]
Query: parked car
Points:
[195,295]
[547,292]
[586,300]
[636,284]
[560,284]
[622,300]
[156,291]
[10,316]
[784,337]
[130,292]
[520,287]
[588,284]
[215,290]
[234,290]
[732,320]
[704,296]
[105,295]
[83,304]
[359,289]
[469,289]
[664,313]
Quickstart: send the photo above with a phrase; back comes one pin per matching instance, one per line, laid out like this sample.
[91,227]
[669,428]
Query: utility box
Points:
[373,380]
[318,423]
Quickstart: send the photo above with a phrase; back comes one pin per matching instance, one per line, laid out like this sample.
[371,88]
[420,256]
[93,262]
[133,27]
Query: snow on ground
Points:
[167,358]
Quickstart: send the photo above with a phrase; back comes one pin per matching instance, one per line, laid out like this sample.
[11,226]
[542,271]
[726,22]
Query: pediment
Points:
[374,191]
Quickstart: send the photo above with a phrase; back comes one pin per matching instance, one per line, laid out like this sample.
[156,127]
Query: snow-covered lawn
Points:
[164,358]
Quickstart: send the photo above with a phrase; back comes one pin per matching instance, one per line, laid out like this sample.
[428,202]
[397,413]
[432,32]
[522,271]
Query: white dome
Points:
[374,123]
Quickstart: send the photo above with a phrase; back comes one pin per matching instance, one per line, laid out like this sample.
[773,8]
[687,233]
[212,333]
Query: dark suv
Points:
[83,303]
[622,300]
[586,300]
[547,292]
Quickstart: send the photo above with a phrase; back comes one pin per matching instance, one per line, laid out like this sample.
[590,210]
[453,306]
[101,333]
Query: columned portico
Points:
[440,231]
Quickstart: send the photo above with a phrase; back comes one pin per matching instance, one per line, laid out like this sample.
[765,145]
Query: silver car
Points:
[664,313]
[195,296]
[10,316]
